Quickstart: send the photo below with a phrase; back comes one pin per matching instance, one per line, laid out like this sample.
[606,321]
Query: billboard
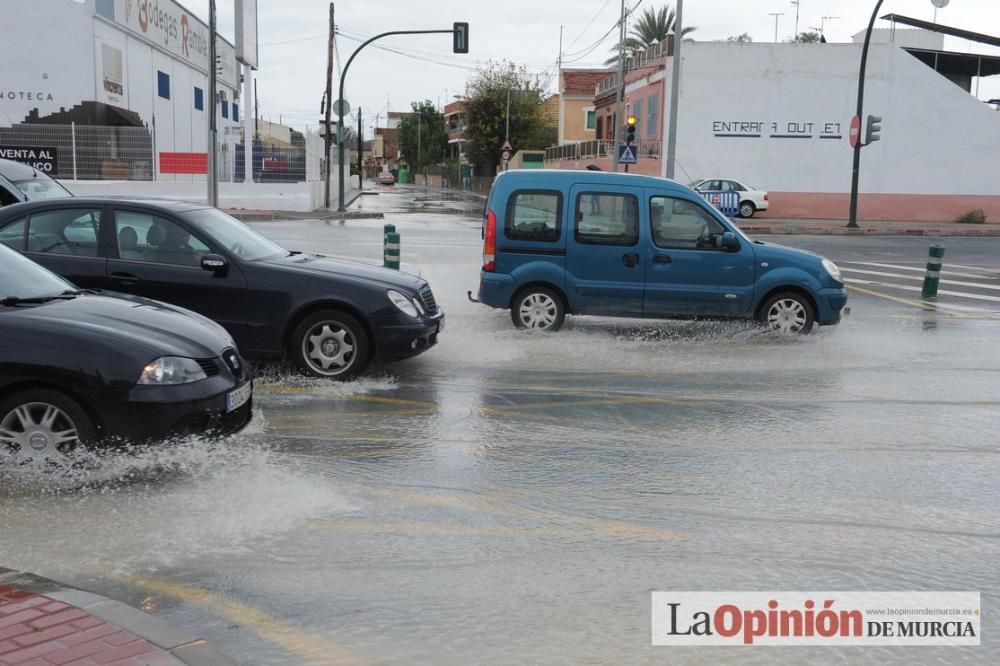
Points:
[246,32]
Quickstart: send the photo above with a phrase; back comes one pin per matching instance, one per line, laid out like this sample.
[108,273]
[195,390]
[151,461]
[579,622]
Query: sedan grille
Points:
[209,366]
[427,296]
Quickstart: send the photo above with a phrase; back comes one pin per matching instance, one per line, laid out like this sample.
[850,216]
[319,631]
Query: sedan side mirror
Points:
[214,263]
[729,241]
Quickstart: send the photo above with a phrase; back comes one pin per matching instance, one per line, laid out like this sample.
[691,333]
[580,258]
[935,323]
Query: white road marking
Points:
[945,292]
[957,283]
[921,269]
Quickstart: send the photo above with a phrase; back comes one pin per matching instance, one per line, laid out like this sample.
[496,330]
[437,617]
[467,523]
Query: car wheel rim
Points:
[38,431]
[746,210]
[787,316]
[538,311]
[328,348]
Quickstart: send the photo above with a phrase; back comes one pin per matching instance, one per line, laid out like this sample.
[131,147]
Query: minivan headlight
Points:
[402,303]
[832,269]
[171,370]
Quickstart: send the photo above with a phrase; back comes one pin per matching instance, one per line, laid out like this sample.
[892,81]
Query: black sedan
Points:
[330,317]
[77,368]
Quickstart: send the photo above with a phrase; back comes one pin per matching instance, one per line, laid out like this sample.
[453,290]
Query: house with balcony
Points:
[455,122]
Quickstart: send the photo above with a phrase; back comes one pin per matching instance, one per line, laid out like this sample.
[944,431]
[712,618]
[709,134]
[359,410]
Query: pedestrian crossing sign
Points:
[626,154]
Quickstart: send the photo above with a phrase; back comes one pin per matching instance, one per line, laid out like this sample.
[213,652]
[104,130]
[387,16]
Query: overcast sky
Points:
[292,72]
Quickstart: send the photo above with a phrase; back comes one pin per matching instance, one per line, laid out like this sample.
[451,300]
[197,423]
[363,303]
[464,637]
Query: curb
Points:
[778,230]
[183,646]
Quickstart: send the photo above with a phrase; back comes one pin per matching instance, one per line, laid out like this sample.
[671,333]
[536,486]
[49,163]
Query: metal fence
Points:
[594,149]
[82,152]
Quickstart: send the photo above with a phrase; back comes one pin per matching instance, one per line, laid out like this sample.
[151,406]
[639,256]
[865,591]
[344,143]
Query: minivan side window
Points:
[534,215]
[678,223]
[607,219]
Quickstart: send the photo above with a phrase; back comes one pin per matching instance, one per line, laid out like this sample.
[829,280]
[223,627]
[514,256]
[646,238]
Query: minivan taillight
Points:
[490,243]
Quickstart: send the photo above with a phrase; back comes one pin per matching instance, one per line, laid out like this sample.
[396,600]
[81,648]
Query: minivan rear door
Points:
[688,272]
[604,269]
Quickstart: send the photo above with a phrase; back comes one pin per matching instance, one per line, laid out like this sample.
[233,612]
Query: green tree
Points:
[422,137]
[653,26]
[808,38]
[745,38]
[486,111]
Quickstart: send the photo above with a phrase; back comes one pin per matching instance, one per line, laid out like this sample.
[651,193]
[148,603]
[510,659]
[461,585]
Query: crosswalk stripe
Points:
[958,294]
[922,268]
[957,283]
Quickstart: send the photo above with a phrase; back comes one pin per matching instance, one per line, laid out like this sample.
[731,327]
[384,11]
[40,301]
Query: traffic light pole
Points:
[852,222]
[340,96]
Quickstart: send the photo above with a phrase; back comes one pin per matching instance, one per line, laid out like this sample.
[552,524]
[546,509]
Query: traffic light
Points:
[460,38]
[874,129]
[630,130]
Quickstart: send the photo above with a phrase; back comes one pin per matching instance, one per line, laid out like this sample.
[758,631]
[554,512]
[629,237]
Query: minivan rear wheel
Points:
[43,426]
[788,312]
[538,308]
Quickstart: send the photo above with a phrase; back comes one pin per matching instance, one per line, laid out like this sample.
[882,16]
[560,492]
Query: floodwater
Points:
[512,498]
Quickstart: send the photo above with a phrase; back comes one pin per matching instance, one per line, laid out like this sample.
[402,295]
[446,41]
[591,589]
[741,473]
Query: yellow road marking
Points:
[313,648]
[933,307]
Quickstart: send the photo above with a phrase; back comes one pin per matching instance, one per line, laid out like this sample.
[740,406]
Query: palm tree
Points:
[653,26]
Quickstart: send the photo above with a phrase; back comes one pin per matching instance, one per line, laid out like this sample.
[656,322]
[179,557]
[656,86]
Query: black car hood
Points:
[128,322]
[318,265]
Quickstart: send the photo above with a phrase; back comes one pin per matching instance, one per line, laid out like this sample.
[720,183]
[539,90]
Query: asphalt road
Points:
[510,498]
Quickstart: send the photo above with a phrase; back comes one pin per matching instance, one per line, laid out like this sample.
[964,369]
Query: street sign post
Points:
[627,154]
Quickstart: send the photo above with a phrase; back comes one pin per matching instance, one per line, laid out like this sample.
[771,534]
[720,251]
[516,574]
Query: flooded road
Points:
[510,498]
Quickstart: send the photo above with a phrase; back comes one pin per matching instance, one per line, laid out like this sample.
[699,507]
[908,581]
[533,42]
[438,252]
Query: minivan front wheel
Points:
[43,426]
[788,312]
[331,345]
[538,308]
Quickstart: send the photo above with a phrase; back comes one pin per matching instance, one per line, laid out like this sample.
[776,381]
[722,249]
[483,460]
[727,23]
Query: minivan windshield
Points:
[36,189]
[21,278]
[230,233]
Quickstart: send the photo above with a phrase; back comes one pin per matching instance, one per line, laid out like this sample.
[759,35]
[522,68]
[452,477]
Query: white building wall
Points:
[936,139]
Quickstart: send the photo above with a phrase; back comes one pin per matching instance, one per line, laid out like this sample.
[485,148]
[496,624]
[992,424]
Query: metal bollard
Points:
[933,275]
[391,256]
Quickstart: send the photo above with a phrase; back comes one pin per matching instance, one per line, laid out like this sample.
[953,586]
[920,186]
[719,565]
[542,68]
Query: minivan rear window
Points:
[534,215]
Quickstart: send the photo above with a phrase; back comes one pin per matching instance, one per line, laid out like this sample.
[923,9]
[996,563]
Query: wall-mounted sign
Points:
[113,83]
[43,159]
[757,129]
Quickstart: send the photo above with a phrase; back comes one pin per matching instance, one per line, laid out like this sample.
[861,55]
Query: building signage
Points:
[757,129]
[43,159]
[26,95]
[113,82]
[172,28]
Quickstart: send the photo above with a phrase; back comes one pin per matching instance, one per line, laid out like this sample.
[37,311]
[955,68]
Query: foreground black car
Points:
[330,317]
[78,368]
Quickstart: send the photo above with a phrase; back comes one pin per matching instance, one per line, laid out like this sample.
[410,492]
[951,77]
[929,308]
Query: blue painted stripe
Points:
[791,136]
[831,136]
[738,136]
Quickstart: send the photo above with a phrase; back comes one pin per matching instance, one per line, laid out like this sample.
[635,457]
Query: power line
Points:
[582,32]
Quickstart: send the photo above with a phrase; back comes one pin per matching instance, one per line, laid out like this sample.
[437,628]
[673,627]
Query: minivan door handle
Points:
[662,259]
[630,259]
[125,278]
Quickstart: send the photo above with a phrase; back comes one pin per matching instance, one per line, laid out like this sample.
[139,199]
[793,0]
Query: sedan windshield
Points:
[36,188]
[230,233]
[21,278]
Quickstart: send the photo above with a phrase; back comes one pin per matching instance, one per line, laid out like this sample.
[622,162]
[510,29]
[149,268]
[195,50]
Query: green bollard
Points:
[391,258]
[386,230]
[933,275]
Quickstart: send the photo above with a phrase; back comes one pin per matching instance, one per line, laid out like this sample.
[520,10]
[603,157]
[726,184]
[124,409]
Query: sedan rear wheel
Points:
[42,426]
[747,209]
[330,344]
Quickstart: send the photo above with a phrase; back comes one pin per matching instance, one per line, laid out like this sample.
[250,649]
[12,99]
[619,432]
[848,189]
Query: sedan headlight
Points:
[832,269]
[419,305]
[404,304]
[170,370]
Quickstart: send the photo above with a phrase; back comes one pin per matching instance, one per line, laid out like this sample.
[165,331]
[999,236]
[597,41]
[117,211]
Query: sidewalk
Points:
[43,623]
[765,225]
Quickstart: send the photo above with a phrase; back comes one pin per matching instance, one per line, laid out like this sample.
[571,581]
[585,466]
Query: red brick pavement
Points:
[37,631]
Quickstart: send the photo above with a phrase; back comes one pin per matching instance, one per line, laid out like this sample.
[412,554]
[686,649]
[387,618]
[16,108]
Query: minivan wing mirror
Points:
[729,241]
[214,263]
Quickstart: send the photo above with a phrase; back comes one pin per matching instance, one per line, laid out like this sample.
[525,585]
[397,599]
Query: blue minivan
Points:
[626,245]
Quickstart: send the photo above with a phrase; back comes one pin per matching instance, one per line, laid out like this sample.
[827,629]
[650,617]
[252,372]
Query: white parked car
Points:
[751,199]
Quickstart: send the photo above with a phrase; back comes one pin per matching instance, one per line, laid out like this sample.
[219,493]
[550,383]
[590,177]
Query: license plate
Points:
[238,398]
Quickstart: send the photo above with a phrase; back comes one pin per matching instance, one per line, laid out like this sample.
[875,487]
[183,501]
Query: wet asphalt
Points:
[510,498]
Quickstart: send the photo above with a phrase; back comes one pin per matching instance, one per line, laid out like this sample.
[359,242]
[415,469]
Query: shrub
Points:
[977,216]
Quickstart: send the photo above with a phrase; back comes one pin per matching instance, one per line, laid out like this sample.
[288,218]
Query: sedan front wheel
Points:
[43,426]
[331,345]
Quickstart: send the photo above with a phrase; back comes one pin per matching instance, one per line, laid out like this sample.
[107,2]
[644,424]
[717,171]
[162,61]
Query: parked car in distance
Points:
[329,316]
[79,368]
[20,182]
[751,199]
[386,178]
[589,242]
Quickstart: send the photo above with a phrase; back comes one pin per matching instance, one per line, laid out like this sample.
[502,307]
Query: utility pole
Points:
[213,103]
[621,88]
[247,131]
[328,137]
[256,113]
[361,152]
[559,61]
[776,15]
[796,3]
[675,90]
